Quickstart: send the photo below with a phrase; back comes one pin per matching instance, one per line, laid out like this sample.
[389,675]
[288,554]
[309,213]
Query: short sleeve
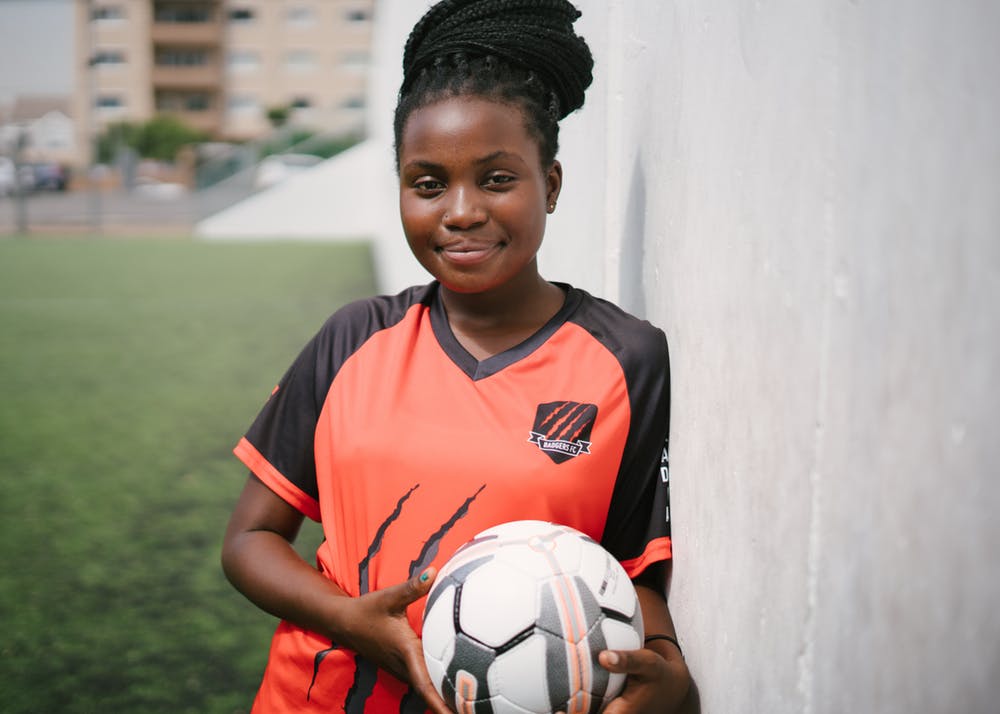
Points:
[278,447]
[637,531]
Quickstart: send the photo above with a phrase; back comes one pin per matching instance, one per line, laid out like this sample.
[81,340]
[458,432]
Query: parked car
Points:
[14,177]
[49,176]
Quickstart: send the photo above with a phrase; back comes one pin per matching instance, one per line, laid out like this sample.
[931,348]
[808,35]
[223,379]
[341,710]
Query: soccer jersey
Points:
[404,446]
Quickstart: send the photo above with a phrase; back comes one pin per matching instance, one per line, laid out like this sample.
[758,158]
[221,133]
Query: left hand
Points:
[653,683]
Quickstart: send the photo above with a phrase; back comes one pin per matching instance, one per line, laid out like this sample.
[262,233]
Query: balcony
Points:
[188,33]
[207,76]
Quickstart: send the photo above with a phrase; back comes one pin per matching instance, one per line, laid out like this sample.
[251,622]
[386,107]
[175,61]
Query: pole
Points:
[93,127]
[20,188]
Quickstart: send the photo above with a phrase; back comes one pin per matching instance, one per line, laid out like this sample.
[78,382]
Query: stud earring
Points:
[552,206]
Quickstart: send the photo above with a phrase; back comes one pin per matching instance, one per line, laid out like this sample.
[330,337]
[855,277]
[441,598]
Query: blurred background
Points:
[159,100]
[805,196]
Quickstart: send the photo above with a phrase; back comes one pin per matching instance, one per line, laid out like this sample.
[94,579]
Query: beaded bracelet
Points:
[668,638]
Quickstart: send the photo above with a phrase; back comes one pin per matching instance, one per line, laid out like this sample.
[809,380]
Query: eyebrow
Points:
[432,166]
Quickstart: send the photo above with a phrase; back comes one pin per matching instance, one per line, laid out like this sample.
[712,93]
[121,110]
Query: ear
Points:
[553,183]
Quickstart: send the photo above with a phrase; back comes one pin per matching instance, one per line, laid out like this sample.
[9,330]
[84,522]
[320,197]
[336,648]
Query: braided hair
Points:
[514,51]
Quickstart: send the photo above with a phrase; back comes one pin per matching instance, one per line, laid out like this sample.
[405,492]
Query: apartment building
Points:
[220,65]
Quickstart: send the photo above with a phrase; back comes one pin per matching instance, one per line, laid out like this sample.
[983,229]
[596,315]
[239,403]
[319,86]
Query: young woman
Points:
[411,422]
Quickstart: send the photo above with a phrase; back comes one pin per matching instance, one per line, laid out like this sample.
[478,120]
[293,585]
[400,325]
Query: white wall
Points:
[806,196]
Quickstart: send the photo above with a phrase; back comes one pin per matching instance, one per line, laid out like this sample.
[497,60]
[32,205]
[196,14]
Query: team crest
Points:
[562,429]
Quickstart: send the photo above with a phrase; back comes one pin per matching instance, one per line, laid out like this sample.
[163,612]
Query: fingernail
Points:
[612,657]
[425,576]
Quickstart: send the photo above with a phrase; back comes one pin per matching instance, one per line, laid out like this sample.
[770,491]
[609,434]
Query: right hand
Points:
[380,632]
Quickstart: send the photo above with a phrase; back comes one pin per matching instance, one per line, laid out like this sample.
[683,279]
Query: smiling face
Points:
[473,194]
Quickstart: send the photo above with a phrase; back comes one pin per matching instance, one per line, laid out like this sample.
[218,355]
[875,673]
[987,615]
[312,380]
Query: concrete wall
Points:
[806,196]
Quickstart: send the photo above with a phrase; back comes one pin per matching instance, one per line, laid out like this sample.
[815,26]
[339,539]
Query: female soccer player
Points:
[411,422]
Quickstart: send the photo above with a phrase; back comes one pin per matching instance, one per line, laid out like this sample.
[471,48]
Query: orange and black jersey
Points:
[404,446]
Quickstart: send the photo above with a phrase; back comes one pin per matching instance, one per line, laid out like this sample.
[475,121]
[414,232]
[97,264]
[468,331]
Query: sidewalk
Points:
[115,212]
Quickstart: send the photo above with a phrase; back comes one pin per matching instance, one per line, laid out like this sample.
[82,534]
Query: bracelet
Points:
[672,640]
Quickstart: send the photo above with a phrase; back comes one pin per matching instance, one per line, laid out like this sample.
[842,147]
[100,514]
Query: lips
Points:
[467,253]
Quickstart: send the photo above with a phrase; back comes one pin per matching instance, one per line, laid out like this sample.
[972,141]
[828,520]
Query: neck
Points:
[513,304]
[491,322]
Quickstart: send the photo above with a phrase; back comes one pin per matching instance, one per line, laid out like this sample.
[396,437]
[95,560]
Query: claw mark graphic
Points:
[430,549]
[365,672]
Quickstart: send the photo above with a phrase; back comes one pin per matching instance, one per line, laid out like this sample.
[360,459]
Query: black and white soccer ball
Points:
[517,617]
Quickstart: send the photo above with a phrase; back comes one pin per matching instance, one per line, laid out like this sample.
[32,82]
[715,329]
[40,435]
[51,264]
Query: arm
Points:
[258,559]
[658,678]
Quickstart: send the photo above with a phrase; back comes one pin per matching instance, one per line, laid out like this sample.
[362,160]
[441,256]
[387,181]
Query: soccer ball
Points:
[517,617]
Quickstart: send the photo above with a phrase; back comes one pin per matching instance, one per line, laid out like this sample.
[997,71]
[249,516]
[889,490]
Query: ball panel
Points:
[521,674]
[439,630]
[619,635]
[608,580]
[466,673]
[496,603]
[436,670]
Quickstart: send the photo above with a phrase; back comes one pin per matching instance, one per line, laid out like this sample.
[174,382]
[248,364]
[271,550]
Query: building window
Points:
[181,58]
[197,102]
[107,13]
[183,102]
[353,103]
[243,61]
[301,16]
[105,58]
[300,61]
[109,105]
[301,103]
[166,102]
[242,15]
[181,12]
[358,15]
[243,104]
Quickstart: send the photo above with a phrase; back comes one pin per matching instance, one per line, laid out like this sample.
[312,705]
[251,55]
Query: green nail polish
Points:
[424,576]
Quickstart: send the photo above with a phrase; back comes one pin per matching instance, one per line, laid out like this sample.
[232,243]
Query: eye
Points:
[428,186]
[498,180]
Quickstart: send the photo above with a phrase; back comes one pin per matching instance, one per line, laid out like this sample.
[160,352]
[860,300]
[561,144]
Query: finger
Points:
[420,680]
[402,595]
[431,698]
[635,662]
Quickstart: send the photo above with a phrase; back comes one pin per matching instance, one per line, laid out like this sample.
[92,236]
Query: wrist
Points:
[668,640]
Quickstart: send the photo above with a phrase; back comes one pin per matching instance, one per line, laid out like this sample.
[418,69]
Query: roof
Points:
[28,107]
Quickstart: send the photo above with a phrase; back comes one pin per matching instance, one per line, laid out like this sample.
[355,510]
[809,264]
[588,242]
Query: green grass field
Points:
[128,370]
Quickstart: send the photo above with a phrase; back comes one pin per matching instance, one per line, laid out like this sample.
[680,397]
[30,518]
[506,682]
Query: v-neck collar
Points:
[476,369]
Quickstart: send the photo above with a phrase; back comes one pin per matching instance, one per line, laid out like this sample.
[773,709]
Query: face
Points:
[473,195]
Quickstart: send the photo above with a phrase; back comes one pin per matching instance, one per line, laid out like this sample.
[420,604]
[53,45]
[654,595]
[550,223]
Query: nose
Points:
[464,210]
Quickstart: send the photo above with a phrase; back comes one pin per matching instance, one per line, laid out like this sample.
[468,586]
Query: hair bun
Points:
[534,34]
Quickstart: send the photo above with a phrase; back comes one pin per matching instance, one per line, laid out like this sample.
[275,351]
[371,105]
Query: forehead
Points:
[461,125]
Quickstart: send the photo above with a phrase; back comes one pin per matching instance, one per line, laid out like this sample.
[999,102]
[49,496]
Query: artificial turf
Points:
[128,370]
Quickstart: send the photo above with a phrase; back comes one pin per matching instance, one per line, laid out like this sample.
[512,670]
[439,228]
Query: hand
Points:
[653,683]
[381,634]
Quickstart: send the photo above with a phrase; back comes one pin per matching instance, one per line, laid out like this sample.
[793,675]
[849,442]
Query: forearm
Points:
[657,621]
[265,567]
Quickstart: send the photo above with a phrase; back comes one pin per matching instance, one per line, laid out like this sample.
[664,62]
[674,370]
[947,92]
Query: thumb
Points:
[413,589]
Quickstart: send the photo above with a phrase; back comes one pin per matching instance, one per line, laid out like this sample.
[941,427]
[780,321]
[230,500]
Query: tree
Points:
[159,138]
[278,116]
[163,136]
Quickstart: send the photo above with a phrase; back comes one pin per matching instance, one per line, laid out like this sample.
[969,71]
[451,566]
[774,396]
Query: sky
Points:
[36,47]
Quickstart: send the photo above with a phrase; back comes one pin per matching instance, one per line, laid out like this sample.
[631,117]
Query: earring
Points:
[552,206]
